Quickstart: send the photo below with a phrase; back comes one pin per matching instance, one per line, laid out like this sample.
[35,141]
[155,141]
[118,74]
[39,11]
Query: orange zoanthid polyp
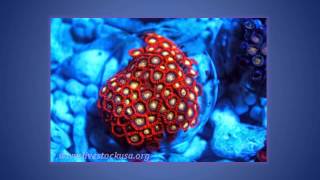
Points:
[154,97]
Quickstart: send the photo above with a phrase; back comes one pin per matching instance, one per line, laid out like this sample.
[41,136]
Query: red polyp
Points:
[154,97]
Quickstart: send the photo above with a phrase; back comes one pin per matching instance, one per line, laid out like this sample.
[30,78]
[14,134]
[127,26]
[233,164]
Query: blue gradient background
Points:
[293,90]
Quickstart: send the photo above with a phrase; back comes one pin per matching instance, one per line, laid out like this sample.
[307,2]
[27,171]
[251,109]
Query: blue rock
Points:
[83,30]
[104,30]
[129,25]
[157,157]
[55,149]
[92,151]
[258,24]
[79,135]
[195,46]
[193,28]
[100,140]
[116,160]
[87,66]
[202,67]
[126,58]
[214,25]
[180,147]
[74,87]
[66,156]
[60,42]
[178,158]
[188,151]
[58,81]
[60,95]
[250,99]
[264,117]
[59,136]
[97,21]
[67,118]
[234,140]
[51,101]
[91,91]
[263,101]
[77,104]
[65,127]
[196,148]
[91,107]
[256,113]
[52,86]
[60,111]
[240,106]
[111,69]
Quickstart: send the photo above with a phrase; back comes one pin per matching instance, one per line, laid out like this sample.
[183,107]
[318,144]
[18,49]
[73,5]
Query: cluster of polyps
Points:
[154,97]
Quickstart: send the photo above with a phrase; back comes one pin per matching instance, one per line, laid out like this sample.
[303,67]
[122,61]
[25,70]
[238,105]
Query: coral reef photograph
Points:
[158,90]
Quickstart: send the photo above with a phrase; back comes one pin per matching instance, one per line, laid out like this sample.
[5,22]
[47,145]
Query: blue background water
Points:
[85,52]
